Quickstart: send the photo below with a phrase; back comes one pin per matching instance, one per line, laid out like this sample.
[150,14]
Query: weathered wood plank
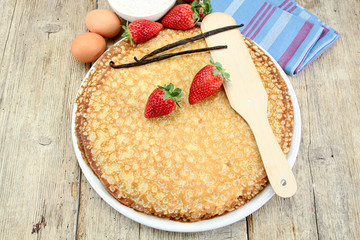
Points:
[235,231]
[97,220]
[38,77]
[327,169]
[6,16]
[334,125]
[287,218]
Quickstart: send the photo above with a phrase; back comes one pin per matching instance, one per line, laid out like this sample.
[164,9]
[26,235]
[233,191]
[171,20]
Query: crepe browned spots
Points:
[200,161]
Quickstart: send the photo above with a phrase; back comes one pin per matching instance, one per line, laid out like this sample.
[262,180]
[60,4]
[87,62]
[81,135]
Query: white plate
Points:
[204,225]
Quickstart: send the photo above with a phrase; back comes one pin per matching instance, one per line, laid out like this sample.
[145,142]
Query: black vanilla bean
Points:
[187,40]
[164,56]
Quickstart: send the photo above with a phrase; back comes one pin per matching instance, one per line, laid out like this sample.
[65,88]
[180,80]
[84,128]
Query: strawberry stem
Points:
[127,34]
[219,70]
[200,9]
[171,93]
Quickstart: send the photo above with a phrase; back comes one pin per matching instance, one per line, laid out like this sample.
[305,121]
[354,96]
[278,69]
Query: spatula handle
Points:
[276,166]
[248,97]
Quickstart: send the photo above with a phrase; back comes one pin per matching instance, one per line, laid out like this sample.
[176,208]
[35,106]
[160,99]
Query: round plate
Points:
[204,225]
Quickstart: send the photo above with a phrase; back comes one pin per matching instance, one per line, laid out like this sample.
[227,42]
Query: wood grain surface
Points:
[43,194]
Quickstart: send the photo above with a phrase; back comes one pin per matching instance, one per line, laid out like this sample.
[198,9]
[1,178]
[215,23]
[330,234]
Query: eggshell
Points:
[87,47]
[104,22]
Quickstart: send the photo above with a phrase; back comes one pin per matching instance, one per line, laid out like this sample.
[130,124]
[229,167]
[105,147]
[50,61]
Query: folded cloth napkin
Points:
[290,33]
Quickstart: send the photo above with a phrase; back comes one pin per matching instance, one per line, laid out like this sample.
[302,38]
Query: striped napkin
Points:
[290,33]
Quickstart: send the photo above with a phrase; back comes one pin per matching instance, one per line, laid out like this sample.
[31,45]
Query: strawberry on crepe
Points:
[162,101]
[207,81]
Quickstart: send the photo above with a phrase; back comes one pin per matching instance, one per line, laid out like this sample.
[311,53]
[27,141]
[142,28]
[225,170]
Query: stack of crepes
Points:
[198,162]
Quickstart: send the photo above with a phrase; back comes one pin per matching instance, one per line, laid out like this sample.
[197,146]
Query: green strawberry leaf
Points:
[218,65]
[177,90]
[166,95]
[170,93]
[226,76]
[208,7]
[127,34]
[175,94]
[219,70]
[211,60]
[171,87]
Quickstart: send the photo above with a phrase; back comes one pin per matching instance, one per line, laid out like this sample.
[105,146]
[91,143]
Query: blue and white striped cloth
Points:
[290,33]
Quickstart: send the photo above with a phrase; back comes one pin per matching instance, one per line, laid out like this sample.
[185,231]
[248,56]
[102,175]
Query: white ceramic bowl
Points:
[204,225]
[123,13]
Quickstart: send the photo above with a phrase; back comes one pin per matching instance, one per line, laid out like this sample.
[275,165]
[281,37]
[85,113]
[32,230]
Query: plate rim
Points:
[204,225]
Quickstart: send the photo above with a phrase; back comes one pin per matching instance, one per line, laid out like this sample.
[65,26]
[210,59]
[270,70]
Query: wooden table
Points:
[44,194]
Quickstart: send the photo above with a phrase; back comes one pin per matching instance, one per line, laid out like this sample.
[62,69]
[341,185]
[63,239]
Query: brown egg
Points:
[87,47]
[104,22]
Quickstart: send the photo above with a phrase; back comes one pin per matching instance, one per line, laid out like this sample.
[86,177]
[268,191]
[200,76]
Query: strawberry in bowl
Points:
[185,16]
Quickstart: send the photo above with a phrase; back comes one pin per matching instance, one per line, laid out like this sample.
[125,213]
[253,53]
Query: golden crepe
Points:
[196,163]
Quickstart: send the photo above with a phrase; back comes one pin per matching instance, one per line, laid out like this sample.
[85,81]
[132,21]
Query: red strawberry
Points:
[141,30]
[180,17]
[185,16]
[162,101]
[207,81]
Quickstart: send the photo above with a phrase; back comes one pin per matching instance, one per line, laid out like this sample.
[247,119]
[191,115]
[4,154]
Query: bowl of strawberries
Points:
[180,17]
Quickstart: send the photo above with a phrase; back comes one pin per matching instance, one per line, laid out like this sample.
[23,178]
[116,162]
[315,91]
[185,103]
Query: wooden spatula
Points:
[248,97]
